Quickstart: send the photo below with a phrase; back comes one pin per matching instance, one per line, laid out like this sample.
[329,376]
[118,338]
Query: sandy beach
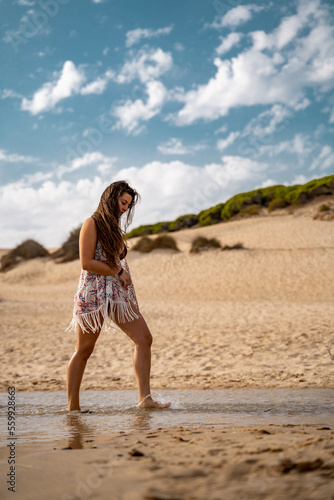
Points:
[262,316]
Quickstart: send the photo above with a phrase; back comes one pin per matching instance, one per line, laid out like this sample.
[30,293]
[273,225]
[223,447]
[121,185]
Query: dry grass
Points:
[251,209]
[29,249]
[277,203]
[237,246]
[146,244]
[70,249]
[201,244]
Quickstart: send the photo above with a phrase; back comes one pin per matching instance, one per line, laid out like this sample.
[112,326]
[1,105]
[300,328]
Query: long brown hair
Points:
[107,219]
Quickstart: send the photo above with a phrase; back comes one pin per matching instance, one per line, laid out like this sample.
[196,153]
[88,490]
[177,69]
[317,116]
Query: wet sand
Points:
[279,462]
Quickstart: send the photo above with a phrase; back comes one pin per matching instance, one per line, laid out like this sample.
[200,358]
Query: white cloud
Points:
[146,65]
[66,83]
[175,147]
[10,93]
[46,213]
[15,158]
[178,46]
[236,16]
[103,163]
[299,145]
[223,128]
[268,182]
[265,74]
[46,98]
[228,42]
[28,19]
[300,179]
[96,160]
[331,118]
[289,27]
[329,108]
[99,85]
[324,160]
[131,113]
[224,143]
[135,36]
[248,79]
[237,168]
[272,120]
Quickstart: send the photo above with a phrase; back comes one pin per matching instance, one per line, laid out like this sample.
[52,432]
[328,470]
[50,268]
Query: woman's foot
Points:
[148,402]
[74,412]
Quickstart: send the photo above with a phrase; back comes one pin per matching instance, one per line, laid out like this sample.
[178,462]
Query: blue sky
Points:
[190,101]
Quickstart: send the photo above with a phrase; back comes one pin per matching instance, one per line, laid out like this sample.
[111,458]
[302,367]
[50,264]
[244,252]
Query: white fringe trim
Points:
[104,317]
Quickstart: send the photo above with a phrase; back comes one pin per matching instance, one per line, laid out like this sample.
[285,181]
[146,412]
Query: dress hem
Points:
[104,317]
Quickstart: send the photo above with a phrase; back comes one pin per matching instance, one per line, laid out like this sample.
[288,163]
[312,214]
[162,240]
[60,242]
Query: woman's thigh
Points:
[137,329]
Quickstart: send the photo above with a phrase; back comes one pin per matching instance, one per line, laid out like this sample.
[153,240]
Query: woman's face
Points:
[123,203]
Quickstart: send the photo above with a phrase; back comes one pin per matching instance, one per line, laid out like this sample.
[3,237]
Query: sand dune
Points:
[260,316]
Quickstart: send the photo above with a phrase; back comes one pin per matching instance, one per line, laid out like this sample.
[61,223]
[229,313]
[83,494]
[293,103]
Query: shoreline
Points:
[258,385]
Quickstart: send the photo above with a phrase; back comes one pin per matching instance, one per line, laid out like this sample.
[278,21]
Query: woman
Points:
[106,295]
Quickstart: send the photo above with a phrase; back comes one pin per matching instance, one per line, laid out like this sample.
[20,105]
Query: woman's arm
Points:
[87,245]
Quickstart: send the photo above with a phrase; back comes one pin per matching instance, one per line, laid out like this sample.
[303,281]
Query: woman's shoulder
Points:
[90,221]
[89,224]
[88,229]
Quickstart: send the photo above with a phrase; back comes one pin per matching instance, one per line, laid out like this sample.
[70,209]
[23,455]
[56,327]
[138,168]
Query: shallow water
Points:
[43,416]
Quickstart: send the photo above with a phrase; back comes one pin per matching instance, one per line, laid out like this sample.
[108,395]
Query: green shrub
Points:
[272,192]
[210,216]
[140,231]
[160,227]
[183,222]
[242,203]
[200,243]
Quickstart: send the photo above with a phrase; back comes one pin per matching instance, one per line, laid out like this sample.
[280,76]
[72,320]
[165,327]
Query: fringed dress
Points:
[100,299]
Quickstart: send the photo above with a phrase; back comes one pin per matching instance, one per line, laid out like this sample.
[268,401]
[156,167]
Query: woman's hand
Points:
[125,279]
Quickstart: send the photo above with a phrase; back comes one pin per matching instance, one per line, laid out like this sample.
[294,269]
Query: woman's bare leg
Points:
[139,332]
[77,364]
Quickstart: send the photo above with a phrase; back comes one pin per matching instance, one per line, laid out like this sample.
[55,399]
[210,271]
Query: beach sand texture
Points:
[250,463]
[262,316]
[258,317]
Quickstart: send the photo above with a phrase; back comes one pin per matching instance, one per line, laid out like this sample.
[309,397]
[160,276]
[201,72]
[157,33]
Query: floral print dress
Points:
[100,299]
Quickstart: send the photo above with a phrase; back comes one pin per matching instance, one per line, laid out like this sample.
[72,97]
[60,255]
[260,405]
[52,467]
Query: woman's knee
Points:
[85,345]
[144,340]
[85,352]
